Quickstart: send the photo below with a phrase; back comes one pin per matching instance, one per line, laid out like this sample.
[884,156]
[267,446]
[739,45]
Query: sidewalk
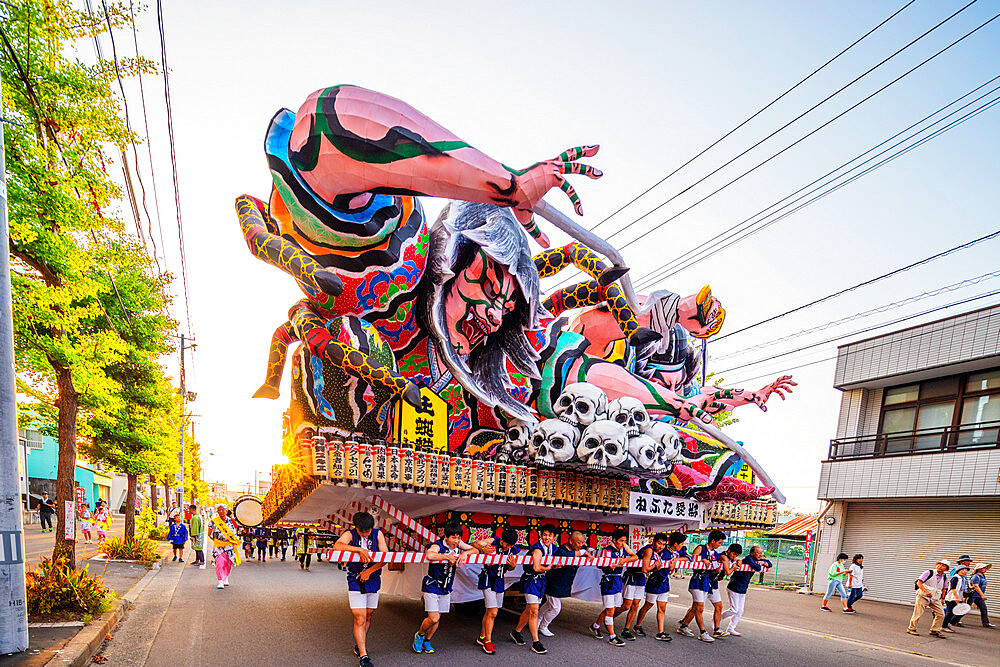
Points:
[875,623]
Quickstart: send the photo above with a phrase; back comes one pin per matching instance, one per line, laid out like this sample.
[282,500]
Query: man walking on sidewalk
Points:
[930,587]
[46,508]
[197,533]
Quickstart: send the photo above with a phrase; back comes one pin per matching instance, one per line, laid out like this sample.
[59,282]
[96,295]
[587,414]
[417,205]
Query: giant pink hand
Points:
[535,181]
[781,386]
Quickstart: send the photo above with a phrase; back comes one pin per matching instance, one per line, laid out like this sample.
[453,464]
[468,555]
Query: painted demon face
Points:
[477,301]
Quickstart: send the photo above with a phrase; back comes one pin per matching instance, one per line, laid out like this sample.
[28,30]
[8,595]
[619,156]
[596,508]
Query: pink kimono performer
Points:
[224,541]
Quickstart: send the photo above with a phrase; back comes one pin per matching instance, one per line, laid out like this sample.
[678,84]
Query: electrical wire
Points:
[867,313]
[862,331]
[709,247]
[173,161]
[752,116]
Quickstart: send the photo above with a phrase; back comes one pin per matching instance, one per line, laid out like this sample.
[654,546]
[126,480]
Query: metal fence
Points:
[788,556]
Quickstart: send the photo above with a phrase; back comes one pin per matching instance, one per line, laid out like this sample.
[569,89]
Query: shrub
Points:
[158,532]
[123,548]
[54,587]
[144,522]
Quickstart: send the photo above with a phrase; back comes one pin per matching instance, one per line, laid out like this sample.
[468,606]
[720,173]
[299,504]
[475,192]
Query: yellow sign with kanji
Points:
[423,427]
[746,474]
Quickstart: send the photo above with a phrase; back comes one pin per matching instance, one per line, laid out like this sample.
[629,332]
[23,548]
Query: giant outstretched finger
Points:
[578,152]
[571,193]
[580,168]
[530,226]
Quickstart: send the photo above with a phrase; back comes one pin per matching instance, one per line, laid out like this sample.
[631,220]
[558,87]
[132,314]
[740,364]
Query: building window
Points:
[956,411]
[29,438]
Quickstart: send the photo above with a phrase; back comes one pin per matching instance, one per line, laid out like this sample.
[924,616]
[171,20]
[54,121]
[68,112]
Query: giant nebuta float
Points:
[434,381]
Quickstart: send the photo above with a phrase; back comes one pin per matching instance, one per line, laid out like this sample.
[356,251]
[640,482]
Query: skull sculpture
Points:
[630,413]
[580,404]
[645,455]
[554,441]
[516,443]
[668,443]
[603,444]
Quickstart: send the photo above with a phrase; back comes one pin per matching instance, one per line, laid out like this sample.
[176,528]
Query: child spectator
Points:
[178,535]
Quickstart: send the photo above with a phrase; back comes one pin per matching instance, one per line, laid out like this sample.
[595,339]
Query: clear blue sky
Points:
[653,83]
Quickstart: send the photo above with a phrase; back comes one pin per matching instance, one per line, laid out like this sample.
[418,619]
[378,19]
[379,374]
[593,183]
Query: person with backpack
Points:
[930,587]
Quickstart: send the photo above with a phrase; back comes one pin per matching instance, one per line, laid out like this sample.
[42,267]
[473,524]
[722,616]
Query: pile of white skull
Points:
[591,432]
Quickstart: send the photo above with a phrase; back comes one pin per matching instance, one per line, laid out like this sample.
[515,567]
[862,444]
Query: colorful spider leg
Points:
[592,293]
[312,331]
[265,244]
[283,337]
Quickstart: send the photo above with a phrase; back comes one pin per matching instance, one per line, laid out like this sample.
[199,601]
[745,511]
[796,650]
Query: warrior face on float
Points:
[483,300]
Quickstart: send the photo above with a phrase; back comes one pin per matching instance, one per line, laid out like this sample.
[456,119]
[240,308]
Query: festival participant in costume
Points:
[703,587]
[86,519]
[247,536]
[533,580]
[196,528]
[224,545]
[443,555]
[739,584]
[491,581]
[260,538]
[656,562]
[364,578]
[102,521]
[611,586]
[305,543]
[178,536]
[559,581]
[634,592]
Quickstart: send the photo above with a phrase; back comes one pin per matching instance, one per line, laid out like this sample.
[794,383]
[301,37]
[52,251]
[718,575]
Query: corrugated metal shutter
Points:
[902,539]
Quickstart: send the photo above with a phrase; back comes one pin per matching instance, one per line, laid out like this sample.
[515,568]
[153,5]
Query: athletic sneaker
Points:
[481,640]
[427,646]
[664,637]
[596,631]
[616,641]
[850,611]
[517,637]
[718,633]
[537,647]
[356,651]
[627,634]
[825,608]
[366,662]
[685,630]
[418,643]
[488,648]
[638,631]
[734,633]
[912,632]
[544,631]
[705,637]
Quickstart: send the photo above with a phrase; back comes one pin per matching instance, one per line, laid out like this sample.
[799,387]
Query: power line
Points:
[873,311]
[751,117]
[862,331]
[706,249]
[870,281]
[173,161]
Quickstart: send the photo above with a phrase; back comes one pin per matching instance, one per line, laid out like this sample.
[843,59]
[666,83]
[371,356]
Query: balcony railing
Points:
[923,441]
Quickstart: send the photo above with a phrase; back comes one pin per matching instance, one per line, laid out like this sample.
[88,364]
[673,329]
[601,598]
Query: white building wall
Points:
[828,544]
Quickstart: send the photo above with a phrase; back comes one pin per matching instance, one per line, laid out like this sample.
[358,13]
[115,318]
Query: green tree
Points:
[61,114]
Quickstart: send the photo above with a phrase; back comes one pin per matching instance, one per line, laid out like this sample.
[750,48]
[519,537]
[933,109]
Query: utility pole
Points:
[14,614]
[184,398]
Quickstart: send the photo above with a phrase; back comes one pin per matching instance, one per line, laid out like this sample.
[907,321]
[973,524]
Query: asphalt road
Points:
[274,613]
[38,544]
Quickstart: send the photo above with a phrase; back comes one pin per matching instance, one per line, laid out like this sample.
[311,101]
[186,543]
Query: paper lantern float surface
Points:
[393,303]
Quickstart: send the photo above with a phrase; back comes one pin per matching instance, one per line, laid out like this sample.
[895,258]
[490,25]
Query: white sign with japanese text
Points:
[682,509]
[70,519]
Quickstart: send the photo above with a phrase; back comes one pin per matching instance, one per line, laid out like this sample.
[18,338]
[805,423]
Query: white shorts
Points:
[532,599]
[634,592]
[702,596]
[493,599]
[439,603]
[360,600]
[84,525]
[612,601]
[653,598]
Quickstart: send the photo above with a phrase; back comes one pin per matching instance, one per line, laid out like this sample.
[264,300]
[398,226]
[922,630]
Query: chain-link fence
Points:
[788,556]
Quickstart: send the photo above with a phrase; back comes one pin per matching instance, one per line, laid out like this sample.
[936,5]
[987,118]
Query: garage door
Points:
[902,539]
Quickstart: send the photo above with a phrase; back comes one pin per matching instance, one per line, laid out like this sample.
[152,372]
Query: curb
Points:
[82,647]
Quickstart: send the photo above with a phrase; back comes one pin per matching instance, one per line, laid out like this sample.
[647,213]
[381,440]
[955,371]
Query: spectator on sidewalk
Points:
[835,582]
[930,587]
[174,511]
[224,545]
[46,508]
[954,596]
[86,519]
[197,532]
[977,591]
[739,584]
[178,536]
[855,581]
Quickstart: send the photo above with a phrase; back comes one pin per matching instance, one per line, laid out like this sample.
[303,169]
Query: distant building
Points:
[912,475]
[40,454]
